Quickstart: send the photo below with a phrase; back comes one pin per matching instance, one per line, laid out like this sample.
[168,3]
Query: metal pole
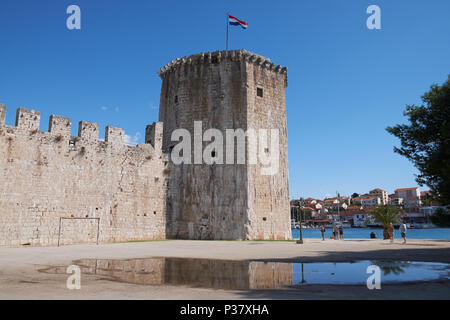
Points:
[227,29]
[300,241]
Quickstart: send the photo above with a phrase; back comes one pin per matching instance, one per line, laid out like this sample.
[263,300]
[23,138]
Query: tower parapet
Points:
[242,55]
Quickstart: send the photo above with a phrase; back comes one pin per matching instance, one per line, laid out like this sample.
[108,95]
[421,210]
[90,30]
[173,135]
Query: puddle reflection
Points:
[250,275]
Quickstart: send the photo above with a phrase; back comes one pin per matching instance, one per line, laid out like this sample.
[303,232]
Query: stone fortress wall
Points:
[45,176]
[47,179]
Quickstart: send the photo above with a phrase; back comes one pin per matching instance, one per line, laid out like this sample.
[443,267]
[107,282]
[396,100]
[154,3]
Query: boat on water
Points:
[343,224]
[308,226]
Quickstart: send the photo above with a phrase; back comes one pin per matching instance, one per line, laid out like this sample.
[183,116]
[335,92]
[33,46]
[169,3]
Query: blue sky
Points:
[346,82]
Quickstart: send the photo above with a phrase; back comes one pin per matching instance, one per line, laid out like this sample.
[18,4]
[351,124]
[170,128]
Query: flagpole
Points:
[227,29]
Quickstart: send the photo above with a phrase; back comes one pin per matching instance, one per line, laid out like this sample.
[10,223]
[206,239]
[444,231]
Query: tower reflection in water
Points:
[203,273]
[251,275]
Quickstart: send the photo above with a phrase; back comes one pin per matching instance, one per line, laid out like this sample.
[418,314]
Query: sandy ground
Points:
[20,278]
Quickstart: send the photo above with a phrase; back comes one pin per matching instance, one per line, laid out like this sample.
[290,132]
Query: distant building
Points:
[421,215]
[396,201]
[407,193]
[310,201]
[357,200]
[329,202]
[359,219]
[354,208]
[425,195]
[412,203]
[314,206]
[373,201]
[357,215]
[429,211]
[339,206]
[382,194]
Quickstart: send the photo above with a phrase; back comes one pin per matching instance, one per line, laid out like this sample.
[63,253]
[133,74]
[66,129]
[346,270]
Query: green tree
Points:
[426,140]
[441,218]
[306,214]
[386,215]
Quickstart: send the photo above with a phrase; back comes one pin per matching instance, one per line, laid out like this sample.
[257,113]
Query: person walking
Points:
[391,232]
[341,232]
[403,230]
[336,232]
[322,230]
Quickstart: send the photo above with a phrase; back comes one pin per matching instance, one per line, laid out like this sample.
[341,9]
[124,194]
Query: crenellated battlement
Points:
[2,115]
[219,56]
[54,186]
[27,119]
[88,130]
[28,122]
[114,134]
[60,126]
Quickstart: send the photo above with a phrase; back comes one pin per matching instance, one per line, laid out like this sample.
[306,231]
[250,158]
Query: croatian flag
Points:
[236,22]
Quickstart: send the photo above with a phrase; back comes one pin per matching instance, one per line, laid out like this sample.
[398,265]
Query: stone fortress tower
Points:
[226,90]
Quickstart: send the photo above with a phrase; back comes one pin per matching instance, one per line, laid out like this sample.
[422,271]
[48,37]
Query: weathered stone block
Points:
[60,126]
[88,130]
[114,135]
[28,119]
[2,115]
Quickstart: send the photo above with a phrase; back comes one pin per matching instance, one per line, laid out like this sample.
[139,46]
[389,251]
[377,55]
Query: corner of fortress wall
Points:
[50,180]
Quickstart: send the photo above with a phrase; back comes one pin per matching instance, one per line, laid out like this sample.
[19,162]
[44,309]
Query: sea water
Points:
[356,272]
[364,233]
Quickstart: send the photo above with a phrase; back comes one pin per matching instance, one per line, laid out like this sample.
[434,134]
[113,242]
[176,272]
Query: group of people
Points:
[338,232]
[403,229]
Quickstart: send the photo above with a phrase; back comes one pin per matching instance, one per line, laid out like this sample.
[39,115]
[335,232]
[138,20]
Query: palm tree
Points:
[386,215]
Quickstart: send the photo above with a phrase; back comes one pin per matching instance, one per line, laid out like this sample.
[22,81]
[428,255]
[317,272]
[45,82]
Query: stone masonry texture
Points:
[45,176]
[226,201]
[55,187]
